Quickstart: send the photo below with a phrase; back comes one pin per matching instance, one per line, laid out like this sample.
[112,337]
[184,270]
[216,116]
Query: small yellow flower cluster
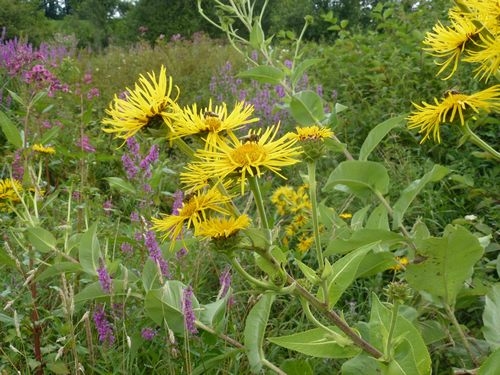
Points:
[10,189]
[472,37]
[295,208]
[402,262]
[43,149]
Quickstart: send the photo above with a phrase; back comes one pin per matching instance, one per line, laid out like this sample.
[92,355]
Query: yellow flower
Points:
[43,149]
[449,42]
[10,189]
[487,56]
[149,100]
[402,262]
[345,215]
[219,227]
[192,213]
[240,159]
[428,117]
[313,132]
[212,122]
[305,243]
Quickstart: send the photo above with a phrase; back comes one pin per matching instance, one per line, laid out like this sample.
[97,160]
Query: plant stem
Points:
[311,170]
[456,324]
[474,138]
[259,283]
[394,316]
[336,319]
[254,186]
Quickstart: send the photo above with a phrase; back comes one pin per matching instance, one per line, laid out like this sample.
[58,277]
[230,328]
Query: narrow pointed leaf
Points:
[319,342]
[10,131]
[437,173]
[408,352]
[301,68]
[343,273]
[264,74]
[255,327]
[121,185]
[89,251]
[377,134]
[491,365]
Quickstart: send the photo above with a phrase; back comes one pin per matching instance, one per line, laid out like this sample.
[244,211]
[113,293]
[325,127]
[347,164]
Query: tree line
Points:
[97,23]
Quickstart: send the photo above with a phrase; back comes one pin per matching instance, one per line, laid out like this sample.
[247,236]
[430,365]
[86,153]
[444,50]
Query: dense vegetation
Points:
[80,267]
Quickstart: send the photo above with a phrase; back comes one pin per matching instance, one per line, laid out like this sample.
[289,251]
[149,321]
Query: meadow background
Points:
[61,63]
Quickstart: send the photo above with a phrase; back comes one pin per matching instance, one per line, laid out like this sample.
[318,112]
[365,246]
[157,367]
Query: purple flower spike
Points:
[103,327]
[187,309]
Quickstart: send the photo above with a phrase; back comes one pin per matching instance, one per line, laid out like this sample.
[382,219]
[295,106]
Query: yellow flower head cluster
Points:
[454,106]
[149,100]
[213,123]
[43,149]
[194,211]
[237,159]
[401,264]
[223,227]
[472,35]
[10,189]
[294,207]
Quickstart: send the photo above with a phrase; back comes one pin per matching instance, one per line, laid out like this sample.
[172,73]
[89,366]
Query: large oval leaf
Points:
[306,108]
[89,251]
[360,178]
[377,134]
[444,263]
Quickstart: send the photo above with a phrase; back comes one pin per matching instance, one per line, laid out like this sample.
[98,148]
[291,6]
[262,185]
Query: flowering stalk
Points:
[474,138]
[257,195]
[311,170]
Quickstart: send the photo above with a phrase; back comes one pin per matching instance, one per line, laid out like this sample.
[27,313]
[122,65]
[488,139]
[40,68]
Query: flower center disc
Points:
[248,154]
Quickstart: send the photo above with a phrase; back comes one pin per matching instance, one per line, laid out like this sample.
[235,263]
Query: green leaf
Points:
[165,305]
[408,195]
[306,108]
[407,353]
[361,364]
[93,291]
[491,317]
[491,365]
[17,98]
[378,218]
[49,135]
[90,251]
[444,263]
[358,218]
[363,237]
[308,272]
[213,313]
[5,258]
[319,342]
[296,367]
[41,239]
[10,131]
[300,69]
[264,74]
[261,238]
[344,272]
[217,362]
[375,262]
[377,134]
[360,178]
[256,36]
[121,185]
[255,327]
[150,277]
[58,368]
[59,268]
